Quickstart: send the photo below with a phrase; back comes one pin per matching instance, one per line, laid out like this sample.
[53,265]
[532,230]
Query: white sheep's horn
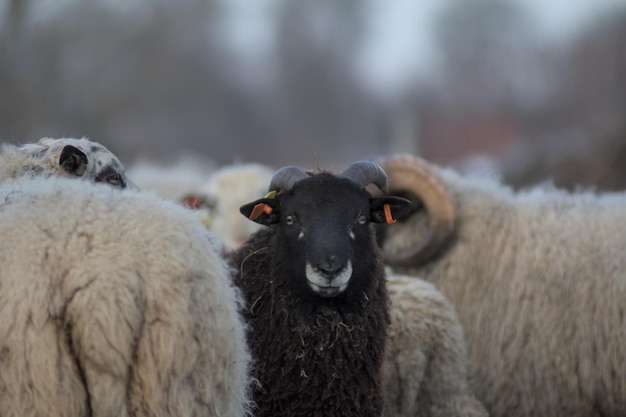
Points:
[414,175]
[366,172]
[286,177]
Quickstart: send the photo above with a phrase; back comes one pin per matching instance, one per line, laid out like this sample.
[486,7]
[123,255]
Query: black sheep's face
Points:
[323,227]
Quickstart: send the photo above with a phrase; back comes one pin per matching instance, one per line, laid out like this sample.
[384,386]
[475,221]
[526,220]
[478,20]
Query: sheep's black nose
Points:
[330,267]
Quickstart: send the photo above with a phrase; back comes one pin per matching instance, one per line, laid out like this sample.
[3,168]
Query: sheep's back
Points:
[538,280]
[426,365]
[113,303]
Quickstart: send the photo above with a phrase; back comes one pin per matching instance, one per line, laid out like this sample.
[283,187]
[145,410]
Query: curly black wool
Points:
[313,356]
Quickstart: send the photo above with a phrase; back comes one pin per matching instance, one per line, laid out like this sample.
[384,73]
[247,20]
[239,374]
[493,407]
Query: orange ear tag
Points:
[388,217]
[260,209]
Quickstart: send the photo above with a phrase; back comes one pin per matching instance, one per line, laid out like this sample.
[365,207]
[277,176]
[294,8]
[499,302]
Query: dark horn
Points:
[366,172]
[286,177]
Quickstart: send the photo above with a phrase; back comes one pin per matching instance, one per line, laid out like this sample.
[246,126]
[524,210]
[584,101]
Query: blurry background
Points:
[526,90]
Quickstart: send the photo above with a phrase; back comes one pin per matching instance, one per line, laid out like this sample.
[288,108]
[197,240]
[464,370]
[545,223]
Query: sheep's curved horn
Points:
[414,175]
[286,177]
[366,172]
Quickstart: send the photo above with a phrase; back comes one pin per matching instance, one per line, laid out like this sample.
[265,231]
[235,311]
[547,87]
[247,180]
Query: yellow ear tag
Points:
[271,194]
[388,217]
[260,209]
[206,221]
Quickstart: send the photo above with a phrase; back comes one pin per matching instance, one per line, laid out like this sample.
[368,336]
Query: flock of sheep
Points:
[391,288]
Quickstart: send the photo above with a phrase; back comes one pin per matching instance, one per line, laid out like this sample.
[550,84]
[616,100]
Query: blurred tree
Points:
[15,12]
[12,104]
[141,78]
[485,47]
[594,75]
[153,78]
[325,107]
[578,136]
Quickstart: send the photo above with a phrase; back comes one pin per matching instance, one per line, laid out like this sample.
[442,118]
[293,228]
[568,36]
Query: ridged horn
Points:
[414,175]
[366,172]
[286,177]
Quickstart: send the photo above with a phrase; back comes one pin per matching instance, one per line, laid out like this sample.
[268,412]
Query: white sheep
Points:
[114,303]
[538,279]
[217,195]
[425,367]
[66,157]
[183,176]
[226,190]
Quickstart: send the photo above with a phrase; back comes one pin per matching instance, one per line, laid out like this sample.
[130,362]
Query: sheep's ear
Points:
[389,209]
[263,211]
[73,160]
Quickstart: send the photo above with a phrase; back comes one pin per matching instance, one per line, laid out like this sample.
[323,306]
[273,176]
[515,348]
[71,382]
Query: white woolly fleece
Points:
[113,303]
[538,278]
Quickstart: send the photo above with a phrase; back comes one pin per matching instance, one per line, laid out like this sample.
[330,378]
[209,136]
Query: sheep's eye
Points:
[114,179]
[290,220]
[361,219]
[111,177]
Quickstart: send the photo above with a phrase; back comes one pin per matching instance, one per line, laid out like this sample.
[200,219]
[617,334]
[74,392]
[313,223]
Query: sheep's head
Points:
[322,224]
[76,158]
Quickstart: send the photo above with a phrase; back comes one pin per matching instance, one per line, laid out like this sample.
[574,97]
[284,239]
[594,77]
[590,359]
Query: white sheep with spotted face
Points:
[66,157]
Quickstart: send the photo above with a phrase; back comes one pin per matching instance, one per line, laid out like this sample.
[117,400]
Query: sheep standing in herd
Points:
[315,292]
[216,195]
[425,368]
[538,279]
[227,189]
[66,157]
[172,180]
[114,303]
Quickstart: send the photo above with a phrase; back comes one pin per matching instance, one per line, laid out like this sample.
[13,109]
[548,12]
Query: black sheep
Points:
[314,287]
